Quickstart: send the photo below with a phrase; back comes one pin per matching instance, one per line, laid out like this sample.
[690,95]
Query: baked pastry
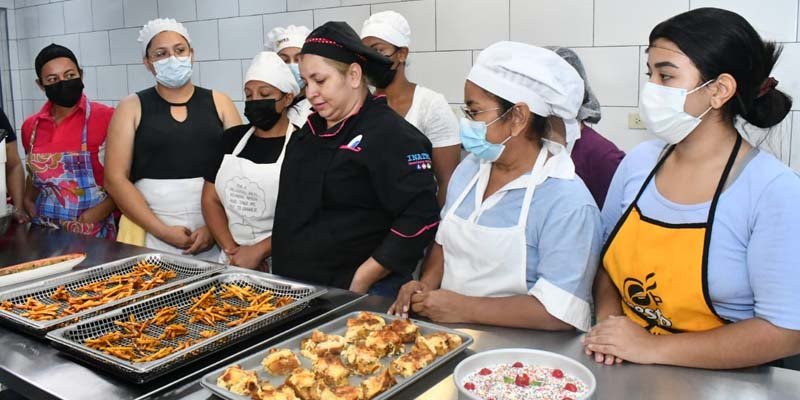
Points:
[361,325]
[406,329]
[302,381]
[377,384]
[280,362]
[361,359]
[408,364]
[239,381]
[341,393]
[384,342]
[331,370]
[321,344]
[269,392]
[439,343]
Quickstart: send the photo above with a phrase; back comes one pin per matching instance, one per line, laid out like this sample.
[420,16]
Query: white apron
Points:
[490,261]
[176,202]
[248,192]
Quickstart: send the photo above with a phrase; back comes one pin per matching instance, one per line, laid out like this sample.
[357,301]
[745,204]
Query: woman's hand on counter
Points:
[618,338]
[439,305]
[402,305]
[201,240]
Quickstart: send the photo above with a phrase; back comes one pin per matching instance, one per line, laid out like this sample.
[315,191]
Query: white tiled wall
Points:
[447,35]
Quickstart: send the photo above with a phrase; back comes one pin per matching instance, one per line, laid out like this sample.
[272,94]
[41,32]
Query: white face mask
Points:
[173,72]
[661,109]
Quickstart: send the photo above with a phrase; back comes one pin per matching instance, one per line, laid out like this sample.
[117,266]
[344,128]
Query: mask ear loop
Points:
[700,117]
[497,119]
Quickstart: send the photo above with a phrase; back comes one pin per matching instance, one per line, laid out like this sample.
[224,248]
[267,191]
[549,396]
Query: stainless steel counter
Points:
[37,370]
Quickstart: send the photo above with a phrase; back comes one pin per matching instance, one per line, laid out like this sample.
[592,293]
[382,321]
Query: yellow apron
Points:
[130,233]
[660,269]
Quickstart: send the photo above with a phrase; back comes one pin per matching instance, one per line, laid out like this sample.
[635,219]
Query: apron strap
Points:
[243,141]
[724,178]
[466,190]
[289,130]
[538,174]
[85,132]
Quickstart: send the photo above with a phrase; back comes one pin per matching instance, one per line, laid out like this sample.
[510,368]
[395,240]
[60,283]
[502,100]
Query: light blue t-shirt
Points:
[755,242]
[563,232]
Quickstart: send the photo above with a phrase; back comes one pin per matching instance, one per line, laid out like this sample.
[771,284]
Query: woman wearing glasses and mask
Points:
[388,33]
[161,142]
[520,234]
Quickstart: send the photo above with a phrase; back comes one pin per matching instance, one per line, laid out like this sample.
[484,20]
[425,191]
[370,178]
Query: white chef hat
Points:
[158,25]
[268,67]
[389,26]
[291,36]
[519,72]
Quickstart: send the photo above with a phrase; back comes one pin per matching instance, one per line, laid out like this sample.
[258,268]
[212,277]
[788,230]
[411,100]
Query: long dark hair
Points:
[720,41]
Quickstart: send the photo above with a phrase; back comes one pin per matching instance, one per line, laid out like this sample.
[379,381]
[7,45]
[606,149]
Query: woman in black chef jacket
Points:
[357,198]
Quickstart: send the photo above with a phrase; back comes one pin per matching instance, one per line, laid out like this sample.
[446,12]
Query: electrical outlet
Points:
[635,121]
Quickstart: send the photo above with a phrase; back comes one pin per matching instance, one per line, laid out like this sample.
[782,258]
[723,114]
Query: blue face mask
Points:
[296,72]
[173,72]
[473,138]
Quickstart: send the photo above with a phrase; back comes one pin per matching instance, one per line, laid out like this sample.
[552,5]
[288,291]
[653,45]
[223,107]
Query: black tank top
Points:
[164,148]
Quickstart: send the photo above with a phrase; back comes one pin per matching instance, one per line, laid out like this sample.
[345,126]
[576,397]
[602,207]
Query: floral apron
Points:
[67,187]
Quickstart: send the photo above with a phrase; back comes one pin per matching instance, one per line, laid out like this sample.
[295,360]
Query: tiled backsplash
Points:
[447,35]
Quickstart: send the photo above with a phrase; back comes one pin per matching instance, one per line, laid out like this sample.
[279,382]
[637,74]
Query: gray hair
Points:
[590,109]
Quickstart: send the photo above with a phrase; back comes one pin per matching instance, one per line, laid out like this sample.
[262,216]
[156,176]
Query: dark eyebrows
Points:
[665,64]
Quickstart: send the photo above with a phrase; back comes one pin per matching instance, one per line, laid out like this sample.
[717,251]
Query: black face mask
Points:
[65,93]
[383,79]
[385,76]
[262,113]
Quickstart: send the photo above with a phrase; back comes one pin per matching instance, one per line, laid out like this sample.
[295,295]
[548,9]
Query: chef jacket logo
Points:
[420,161]
[640,298]
[353,145]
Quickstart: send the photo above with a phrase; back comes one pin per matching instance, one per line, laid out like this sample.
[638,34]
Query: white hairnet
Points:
[269,68]
[158,25]
[291,36]
[538,77]
[389,26]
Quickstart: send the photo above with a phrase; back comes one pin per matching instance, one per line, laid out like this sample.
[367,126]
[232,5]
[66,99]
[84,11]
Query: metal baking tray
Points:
[71,338]
[187,270]
[338,327]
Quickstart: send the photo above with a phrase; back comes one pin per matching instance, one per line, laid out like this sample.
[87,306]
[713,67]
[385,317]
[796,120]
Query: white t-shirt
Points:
[298,113]
[430,113]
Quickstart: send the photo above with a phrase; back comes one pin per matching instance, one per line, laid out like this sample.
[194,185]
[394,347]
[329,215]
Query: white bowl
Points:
[528,356]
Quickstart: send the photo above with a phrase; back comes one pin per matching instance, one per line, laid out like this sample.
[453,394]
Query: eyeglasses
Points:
[471,114]
[162,53]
